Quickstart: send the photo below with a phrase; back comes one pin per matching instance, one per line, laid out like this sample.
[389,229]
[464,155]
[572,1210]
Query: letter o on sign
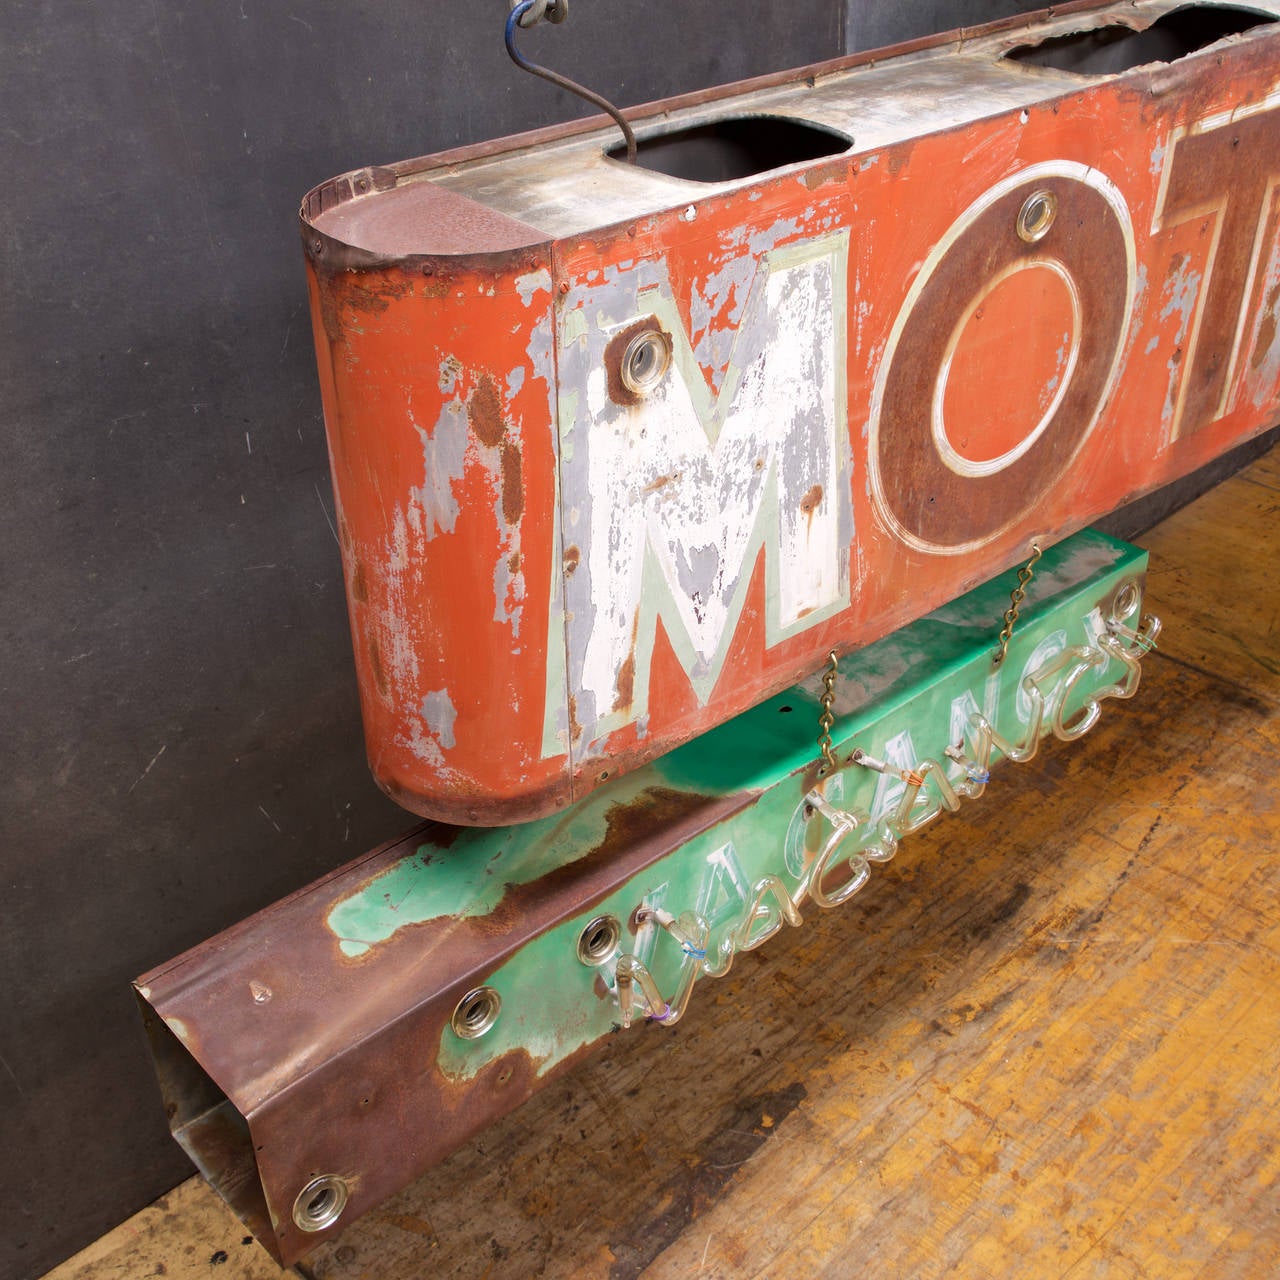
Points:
[1060,217]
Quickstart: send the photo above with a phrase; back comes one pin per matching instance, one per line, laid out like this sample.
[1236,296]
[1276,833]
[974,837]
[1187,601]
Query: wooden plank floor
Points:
[1044,1042]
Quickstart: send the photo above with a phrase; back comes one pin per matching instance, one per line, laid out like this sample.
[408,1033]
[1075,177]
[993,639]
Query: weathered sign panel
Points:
[620,451]
[318,1056]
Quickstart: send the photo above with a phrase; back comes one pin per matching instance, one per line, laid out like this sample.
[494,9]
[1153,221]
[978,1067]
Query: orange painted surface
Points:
[993,390]
[422,553]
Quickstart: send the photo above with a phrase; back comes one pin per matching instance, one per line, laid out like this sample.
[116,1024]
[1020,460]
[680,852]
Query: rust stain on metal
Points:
[359,588]
[899,159]
[512,487]
[484,413]
[1267,328]
[425,843]
[375,296]
[662,809]
[626,683]
[809,503]
[489,425]
[326,301]
[823,175]
[470,805]
[354,1047]
[497,1088]
[636,832]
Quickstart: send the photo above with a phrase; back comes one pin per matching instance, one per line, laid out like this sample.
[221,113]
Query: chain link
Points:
[828,717]
[1016,597]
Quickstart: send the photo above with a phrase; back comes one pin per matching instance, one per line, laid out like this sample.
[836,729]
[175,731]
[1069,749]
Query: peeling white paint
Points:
[680,492]
[1181,294]
[531,283]
[433,507]
[398,650]
[439,715]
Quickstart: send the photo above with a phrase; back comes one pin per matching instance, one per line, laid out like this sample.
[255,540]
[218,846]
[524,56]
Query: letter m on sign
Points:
[669,497]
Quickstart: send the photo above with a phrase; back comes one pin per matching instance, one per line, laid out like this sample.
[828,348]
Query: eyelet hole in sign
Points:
[599,940]
[645,361]
[476,1013]
[1036,216]
[320,1203]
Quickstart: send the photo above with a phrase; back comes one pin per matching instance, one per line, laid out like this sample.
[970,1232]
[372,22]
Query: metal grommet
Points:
[1037,215]
[645,361]
[320,1203]
[1126,603]
[476,1012]
[598,941]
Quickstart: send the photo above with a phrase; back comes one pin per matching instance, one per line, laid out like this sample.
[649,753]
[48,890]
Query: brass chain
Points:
[1016,597]
[828,717]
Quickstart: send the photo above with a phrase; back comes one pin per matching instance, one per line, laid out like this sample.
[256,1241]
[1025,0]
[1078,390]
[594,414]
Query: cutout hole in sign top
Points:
[738,147]
[1115,48]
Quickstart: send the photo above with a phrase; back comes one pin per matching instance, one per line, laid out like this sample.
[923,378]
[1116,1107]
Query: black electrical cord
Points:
[563,82]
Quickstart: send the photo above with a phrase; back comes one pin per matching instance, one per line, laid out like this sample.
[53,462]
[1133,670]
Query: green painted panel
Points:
[904,701]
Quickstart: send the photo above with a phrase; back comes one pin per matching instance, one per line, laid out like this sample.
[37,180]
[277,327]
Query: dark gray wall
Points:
[869,25]
[180,738]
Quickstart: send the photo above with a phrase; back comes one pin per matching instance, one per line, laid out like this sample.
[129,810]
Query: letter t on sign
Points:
[1224,169]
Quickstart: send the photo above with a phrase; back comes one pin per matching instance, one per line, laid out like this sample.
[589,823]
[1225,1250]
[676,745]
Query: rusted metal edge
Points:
[641,112]
[468,810]
[330,254]
[248,1026]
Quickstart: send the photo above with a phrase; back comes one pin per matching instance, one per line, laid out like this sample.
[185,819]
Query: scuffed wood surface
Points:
[187,1233]
[1044,1041]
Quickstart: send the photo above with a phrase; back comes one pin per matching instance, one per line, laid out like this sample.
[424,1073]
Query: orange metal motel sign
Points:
[620,450]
